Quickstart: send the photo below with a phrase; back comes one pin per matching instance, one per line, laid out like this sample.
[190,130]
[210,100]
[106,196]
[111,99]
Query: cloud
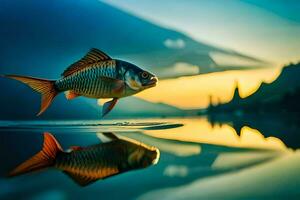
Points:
[176,171]
[174,44]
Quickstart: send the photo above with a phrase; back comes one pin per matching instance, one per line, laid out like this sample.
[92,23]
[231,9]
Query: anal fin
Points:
[70,94]
[108,106]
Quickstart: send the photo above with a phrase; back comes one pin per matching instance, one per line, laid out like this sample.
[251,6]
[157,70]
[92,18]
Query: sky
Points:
[263,29]
[237,25]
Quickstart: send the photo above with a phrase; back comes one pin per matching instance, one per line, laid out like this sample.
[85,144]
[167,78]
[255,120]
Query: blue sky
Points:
[265,29]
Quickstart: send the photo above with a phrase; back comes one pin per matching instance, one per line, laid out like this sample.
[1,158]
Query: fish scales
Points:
[83,162]
[94,76]
[88,81]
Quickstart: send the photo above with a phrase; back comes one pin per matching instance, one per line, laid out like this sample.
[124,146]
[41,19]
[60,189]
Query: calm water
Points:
[199,160]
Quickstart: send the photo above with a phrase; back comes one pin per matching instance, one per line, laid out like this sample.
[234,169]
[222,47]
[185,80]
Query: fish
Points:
[85,165]
[96,75]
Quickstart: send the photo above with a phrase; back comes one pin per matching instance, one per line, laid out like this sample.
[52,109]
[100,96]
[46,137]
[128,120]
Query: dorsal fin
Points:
[93,56]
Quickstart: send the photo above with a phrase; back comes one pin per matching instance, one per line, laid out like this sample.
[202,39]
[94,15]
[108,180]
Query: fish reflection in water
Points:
[86,165]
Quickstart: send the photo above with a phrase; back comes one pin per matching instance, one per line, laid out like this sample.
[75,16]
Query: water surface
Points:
[199,160]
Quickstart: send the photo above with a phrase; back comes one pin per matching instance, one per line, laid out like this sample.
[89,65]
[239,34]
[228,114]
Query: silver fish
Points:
[86,165]
[96,75]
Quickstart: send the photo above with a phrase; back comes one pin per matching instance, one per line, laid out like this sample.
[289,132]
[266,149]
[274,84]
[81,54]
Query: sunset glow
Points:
[195,91]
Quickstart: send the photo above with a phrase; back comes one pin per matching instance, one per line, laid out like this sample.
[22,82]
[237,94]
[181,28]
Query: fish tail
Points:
[43,159]
[45,87]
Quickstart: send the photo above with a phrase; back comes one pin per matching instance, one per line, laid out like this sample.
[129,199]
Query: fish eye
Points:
[145,74]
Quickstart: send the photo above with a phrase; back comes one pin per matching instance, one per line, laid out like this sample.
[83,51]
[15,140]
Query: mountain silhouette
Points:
[281,95]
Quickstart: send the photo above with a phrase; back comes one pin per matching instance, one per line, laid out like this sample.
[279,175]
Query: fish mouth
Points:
[153,81]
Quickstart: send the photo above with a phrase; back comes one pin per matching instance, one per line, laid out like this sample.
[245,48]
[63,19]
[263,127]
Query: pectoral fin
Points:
[108,106]
[117,85]
[70,94]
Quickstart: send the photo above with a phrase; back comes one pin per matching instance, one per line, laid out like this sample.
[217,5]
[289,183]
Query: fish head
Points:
[143,157]
[136,78]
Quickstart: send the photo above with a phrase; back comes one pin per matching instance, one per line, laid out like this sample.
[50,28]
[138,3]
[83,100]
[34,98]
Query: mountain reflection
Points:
[86,165]
[200,130]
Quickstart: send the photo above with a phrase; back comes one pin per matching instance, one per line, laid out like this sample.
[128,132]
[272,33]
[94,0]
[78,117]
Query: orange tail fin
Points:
[43,159]
[43,86]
